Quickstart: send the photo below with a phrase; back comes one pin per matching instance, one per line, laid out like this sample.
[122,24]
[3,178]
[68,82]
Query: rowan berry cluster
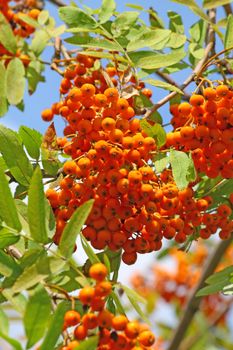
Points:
[134,207]
[20,28]
[204,126]
[174,286]
[114,332]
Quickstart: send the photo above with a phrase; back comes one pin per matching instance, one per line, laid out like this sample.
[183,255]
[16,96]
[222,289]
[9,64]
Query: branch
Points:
[188,343]
[194,302]
[14,252]
[196,72]
[58,3]
[168,79]
[227,9]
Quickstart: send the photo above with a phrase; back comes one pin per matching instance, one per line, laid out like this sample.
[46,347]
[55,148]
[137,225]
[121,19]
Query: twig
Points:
[210,37]
[58,3]
[11,250]
[228,9]
[196,72]
[191,78]
[194,302]
[168,79]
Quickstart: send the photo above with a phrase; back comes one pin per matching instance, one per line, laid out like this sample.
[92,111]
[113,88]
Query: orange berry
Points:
[86,295]
[98,272]
[47,115]
[146,338]
[72,318]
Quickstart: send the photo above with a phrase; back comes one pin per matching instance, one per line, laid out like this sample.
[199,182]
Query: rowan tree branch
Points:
[58,3]
[227,9]
[194,302]
[194,74]
[166,77]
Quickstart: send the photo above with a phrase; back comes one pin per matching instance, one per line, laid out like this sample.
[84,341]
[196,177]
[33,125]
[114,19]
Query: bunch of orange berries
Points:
[19,27]
[175,285]
[112,162]
[204,126]
[114,332]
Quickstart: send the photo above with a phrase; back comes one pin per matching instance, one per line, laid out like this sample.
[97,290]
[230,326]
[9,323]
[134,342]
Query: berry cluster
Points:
[204,126]
[114,332]
[111,161]
[174,286]
[19,27]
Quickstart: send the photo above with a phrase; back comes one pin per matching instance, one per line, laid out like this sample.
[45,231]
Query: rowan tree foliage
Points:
[129,175]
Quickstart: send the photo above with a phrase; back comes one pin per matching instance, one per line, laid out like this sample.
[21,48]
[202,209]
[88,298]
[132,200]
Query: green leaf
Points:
[163,85]
[19,166]
[161,162]
[220,276]
[18,301]
[89,251]
[198,31]
[228,40]
[135,299]
[8,212]
[155,20]
[176,40]
[37,316]
[15,344]
[36,208]
[7,264]
[149,39]
[4,322]
[199,12]
[55,326]
[176,23]
[106,11]
[93,42]
[34,76]
[29,20]
[159,134]
[89,344]
[39,42]
[75,17]
[123,22]
[7,238]
[3,98]
[38,272]
[136,7]
[156,131]
[73,228]
[15,81]
[228,290]
[180,163]
[209,4]
[32,140]
[50,161]
[151,60]
[7,37]
[43,17]
[212,289]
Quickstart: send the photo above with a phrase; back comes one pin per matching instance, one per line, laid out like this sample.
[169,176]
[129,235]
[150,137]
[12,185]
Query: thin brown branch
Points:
[210,37]
[227,9]
[169,80]
[191,78]
[58,3]
[194,302]
[14,252]
[196,72]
